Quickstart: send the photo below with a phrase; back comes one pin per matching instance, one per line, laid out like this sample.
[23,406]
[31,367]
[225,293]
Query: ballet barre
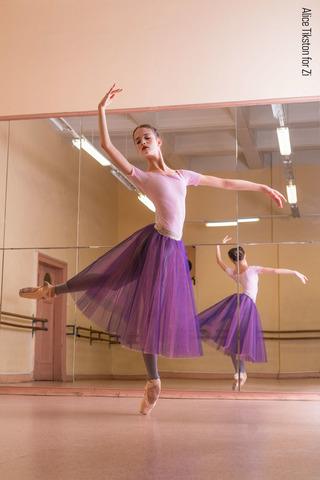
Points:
[25,317]
[281,332]
[94,335]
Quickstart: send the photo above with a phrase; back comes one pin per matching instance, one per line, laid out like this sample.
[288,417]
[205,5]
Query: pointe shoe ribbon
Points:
[46,291]
[151,394]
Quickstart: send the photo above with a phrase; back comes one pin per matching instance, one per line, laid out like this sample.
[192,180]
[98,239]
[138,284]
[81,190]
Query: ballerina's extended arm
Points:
[285,271]
[115,156]
[218,254]
[231,184]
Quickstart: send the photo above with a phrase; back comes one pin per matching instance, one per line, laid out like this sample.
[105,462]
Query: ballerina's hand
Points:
[275,195]
[226,239]
[302,277]
[107,99]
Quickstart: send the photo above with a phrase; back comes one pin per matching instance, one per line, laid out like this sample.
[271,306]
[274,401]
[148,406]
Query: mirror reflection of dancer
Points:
[141,290]
[219,323]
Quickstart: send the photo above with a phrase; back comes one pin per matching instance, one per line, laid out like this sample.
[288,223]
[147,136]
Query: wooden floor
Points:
[97,437]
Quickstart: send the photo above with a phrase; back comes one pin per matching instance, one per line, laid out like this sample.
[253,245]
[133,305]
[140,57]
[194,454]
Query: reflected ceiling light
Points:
[292,194]
[277,110]
[284,140]
[232,223]
[91,150]
[147,202]
[57,123]
[123,179]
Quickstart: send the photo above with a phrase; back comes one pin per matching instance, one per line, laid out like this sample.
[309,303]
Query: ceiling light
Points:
[277,110]
[89,148]
[284,140]
[123,179]
[57,123]
[292,194]
[147,202]
[232,223]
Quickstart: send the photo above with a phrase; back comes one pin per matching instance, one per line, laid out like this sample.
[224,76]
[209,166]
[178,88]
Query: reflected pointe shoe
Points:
[46,291]
[151,394]
[243,378]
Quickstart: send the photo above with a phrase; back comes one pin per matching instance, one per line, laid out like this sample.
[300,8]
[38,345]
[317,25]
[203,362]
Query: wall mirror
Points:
[61,209]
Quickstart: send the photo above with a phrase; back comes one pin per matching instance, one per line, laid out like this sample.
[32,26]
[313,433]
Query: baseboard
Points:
[196,376]
[16,377]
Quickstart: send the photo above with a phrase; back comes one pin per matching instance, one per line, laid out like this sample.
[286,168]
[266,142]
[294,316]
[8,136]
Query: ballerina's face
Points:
[146,142]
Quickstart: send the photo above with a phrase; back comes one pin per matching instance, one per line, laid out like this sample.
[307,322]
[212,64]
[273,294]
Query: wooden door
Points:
[44,341]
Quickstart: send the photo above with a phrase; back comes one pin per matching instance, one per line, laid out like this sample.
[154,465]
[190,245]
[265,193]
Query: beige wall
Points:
[283,302]
[41,213]
[61,56]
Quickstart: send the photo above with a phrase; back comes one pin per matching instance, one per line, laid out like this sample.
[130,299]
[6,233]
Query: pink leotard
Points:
[248,280]
[168,193]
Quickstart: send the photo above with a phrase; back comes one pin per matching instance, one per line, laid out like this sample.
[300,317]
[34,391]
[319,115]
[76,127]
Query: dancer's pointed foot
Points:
[46,291]
[243,379]
[235,384]
[151,394]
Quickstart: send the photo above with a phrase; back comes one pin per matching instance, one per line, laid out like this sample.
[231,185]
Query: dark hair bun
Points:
[236,253]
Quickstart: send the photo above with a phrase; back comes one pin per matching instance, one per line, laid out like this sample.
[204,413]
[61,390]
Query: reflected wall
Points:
[58,201]
[285,238]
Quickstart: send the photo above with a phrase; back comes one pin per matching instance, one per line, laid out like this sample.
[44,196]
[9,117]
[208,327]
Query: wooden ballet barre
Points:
[282,332]
[27,317]
[292,338]
[17,315]
[291,331]
[93,339]
[30,327]
[111,339]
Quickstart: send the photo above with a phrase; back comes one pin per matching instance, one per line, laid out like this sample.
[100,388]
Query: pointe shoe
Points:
[46,291]
[235,384]
[151,394]
[243,379]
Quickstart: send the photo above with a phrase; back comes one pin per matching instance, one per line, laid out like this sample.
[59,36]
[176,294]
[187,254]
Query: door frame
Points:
[60,317]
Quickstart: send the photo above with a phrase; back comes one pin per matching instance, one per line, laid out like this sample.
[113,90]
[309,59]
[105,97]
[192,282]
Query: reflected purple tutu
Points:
[219,328]
[141,290]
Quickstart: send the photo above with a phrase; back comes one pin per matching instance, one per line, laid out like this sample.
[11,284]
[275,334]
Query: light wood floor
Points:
[93,438]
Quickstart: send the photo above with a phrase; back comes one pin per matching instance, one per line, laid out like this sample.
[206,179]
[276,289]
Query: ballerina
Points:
[141,290]
[219,323]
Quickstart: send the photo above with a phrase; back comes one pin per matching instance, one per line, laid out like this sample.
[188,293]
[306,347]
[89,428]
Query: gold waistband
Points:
[250,295]
[167,233]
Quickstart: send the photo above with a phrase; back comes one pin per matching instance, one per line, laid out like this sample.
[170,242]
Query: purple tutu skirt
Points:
[219,328]
[142,292]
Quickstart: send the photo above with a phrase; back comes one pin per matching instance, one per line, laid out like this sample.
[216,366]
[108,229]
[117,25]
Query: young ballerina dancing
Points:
[141,290]
[219,323]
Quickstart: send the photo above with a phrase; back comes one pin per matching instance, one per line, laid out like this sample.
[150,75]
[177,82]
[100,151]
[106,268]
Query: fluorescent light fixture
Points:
[89,148]
[277,110]
[292,194]
[284,140]
[123,179]
[147,202]
[232,223]
[57,123]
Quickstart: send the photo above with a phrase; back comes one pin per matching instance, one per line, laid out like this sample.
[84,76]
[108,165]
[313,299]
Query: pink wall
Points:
[61,56]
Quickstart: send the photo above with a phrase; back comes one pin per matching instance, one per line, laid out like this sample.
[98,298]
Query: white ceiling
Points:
[204,139]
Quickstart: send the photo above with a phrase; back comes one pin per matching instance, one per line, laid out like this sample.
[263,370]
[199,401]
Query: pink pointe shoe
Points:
[46,291]
[243,379]
[151,394]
